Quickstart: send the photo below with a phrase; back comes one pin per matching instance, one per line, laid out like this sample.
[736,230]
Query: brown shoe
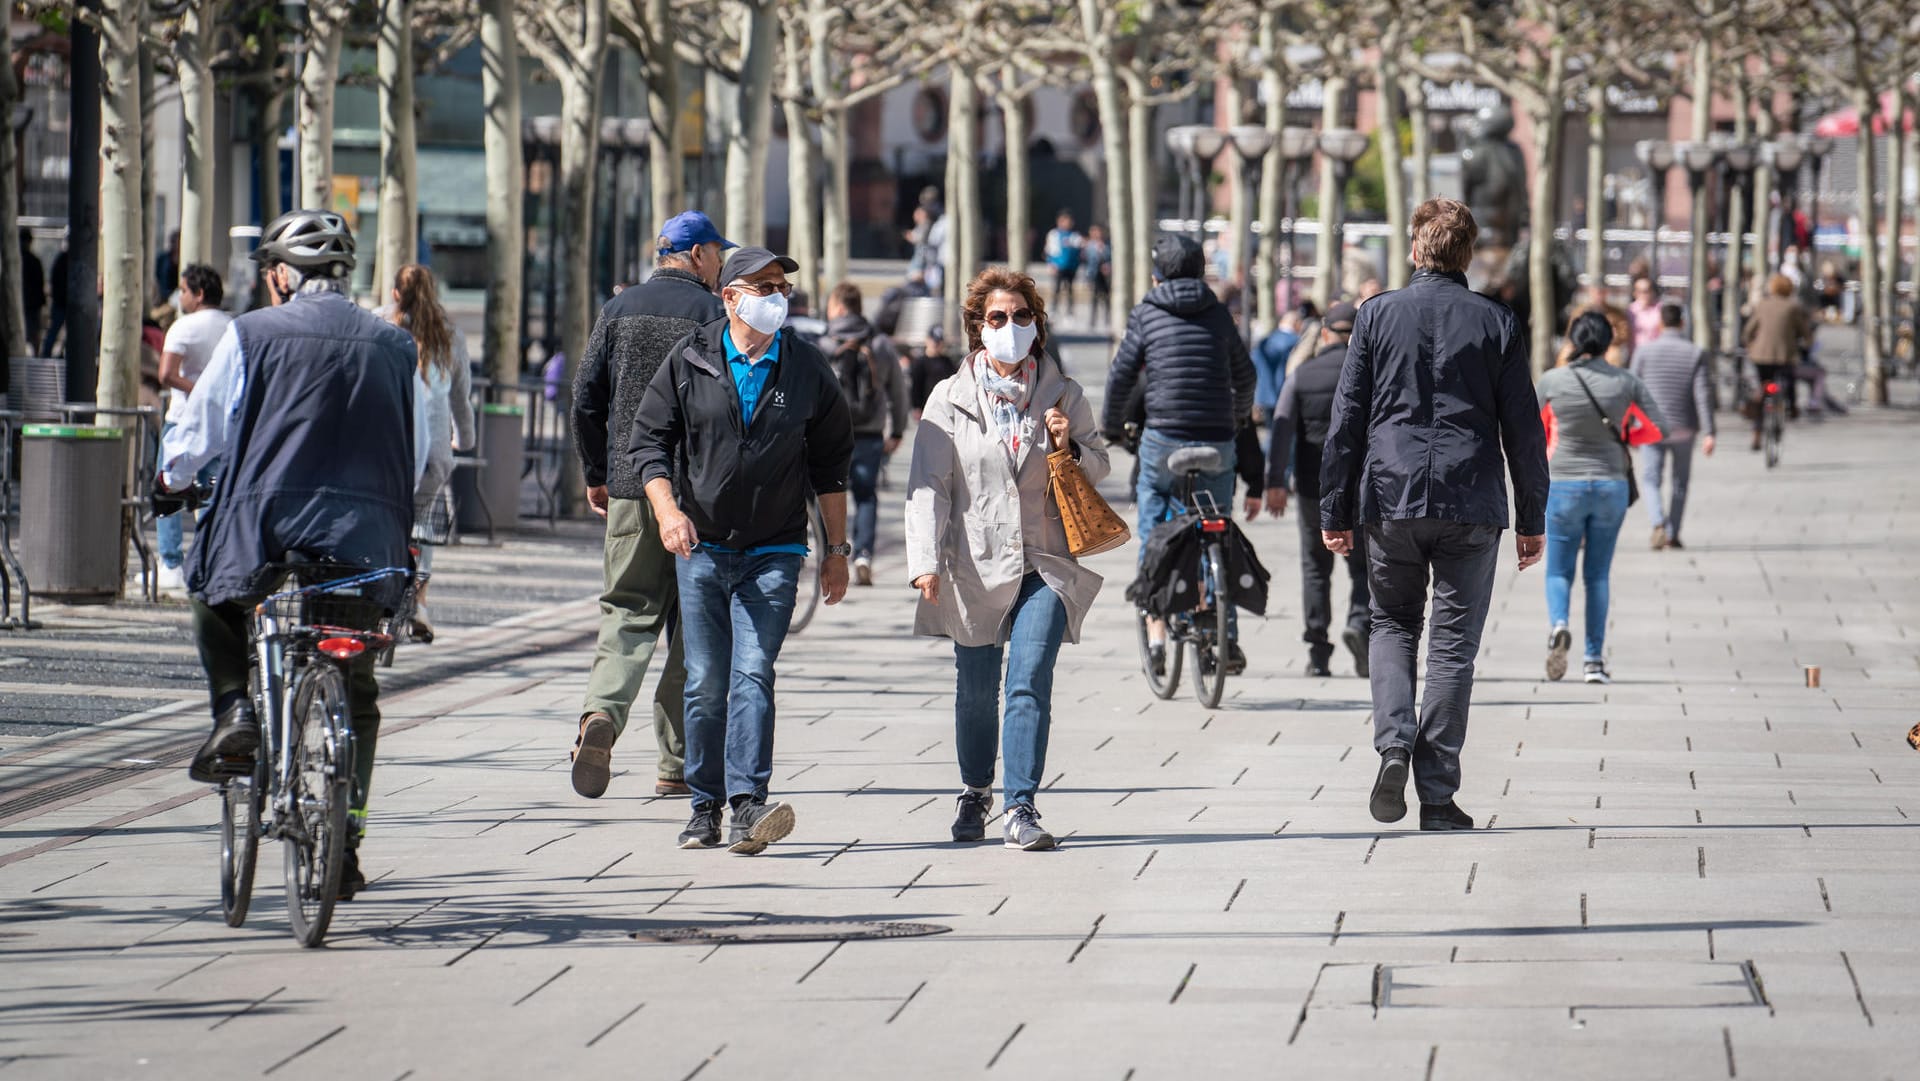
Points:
[593,755]
[1659,537]
[668,787]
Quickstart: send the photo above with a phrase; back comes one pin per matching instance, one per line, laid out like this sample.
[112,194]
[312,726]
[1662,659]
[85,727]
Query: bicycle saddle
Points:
[1194,460]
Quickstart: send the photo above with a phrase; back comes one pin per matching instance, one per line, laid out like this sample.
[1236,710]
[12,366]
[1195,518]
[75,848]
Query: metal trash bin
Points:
[71,526]
[36,386]
[503,444]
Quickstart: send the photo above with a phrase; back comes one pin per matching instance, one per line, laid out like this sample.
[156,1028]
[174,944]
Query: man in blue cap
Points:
[641,601]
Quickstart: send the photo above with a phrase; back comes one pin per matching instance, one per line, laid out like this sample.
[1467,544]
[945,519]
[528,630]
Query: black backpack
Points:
[859,374]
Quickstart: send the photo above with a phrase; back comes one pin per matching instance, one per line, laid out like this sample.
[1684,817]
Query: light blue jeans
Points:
[735,610]
[1160,490]
[1039,625]
[1583,512]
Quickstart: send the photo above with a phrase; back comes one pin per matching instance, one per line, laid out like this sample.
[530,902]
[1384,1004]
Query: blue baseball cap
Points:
[687,230]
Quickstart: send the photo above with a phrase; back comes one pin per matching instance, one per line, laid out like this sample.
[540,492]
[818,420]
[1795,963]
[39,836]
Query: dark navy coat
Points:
[1181,342]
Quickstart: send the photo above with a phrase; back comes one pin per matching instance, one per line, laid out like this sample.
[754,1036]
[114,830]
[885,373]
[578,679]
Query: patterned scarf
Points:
[1006,398]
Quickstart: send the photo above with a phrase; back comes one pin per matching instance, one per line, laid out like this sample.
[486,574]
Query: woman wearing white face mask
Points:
[986,549]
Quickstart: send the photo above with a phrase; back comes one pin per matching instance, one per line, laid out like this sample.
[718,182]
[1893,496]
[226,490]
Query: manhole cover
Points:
[791,931]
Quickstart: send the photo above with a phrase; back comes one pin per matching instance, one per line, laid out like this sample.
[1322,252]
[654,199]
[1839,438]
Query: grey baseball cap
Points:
[744,261]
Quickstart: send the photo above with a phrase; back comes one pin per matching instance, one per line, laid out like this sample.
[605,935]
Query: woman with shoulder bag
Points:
[1592,410]
[986,547]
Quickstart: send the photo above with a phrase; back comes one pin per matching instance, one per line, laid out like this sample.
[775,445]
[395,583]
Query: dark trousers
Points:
[1781,374]
[220,632]
[1402,559]
[863,478]
[1316,582]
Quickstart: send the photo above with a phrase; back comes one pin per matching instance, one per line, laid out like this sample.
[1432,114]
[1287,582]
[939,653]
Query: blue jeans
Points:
[1580,512]
[1653,461]
[869,455]
[1039,625]
[735,609]
[1160,490]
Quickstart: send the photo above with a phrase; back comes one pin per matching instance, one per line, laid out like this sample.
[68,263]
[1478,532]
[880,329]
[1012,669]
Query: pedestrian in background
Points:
[1776,335]
[1675,373]
[1301,420]
[932,364]
[1063,255]
[1587,406]
[33,288]
[1643,311]
[59,288]
[1096,266]
[741,423]
[1270,363]
[868,367]
[184,353]
[987,551]
[640,602]
[447,373]
[1435,386]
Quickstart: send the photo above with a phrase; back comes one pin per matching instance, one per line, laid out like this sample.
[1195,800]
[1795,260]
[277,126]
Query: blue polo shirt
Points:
[749,380]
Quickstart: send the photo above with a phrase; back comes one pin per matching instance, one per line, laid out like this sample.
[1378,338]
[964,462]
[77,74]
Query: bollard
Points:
[1813,675]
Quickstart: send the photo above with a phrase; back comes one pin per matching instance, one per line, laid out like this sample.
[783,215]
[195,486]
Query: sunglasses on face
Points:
[1023,317]
[761,289]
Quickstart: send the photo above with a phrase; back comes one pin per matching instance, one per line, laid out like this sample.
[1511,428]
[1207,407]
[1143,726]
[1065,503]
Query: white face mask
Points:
[1011,343]
[765,314]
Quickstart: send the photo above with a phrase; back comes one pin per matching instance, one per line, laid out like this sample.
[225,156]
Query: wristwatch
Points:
[842,550]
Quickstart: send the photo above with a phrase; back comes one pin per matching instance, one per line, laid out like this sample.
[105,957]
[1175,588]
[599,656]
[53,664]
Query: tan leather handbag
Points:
[1092,526]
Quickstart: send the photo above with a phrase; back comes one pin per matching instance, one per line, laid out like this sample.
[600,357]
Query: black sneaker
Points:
[1157,657]
[1318,669]
[1024,830]
[757,824]
[1439,817]
[1596,672]
[1236,660]
[229,749]
[703,828]
[1558,643]
[1389,800]
[970,815]
[1355,640]
[352,881]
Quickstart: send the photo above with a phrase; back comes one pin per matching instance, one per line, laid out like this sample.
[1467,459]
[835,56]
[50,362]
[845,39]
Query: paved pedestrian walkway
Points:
[1706,869]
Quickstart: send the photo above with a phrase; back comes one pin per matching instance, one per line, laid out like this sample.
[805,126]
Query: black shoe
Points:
[757,825]
[970,816]
[1236,660]
[1356,643]
[593,756]
[703,828]
[1318,669]
[1389,801]
[1438,817]
[351,880]
[229,750]
[1596,672]
[1157,657]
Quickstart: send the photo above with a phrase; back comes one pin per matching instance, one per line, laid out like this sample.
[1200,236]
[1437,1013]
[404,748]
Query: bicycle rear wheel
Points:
[808,600]
[240,802]
[1168,681]
[1770,437]
[1210,641]
[321,787]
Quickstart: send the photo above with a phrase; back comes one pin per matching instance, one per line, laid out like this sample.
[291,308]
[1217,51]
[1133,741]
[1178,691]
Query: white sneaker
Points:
[171,580]
[863,571]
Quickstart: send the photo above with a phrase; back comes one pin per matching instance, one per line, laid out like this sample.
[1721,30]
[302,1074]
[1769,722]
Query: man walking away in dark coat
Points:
[1301,418]
[1435,386]
[641,601]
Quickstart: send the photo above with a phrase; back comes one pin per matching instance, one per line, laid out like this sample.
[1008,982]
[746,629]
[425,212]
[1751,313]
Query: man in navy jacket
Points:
[1435,386]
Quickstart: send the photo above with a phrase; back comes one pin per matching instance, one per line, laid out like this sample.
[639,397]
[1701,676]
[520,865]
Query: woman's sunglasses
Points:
[1024,317]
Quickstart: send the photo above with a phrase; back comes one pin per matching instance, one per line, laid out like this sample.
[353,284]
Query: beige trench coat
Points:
[977,521]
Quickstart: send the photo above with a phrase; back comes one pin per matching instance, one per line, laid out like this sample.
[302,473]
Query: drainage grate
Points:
[790,931]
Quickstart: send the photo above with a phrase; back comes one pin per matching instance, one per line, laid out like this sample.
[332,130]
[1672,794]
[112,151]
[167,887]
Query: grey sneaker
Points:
[970,816]
[1558,643]
[1024,830]
[703,829]
[757,824]
[1596,672]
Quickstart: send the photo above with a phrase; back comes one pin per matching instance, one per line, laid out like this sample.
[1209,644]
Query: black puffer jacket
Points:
[1182,343]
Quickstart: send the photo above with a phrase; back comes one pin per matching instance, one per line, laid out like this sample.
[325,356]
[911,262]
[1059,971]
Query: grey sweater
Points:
[1579,446]
[1675,372]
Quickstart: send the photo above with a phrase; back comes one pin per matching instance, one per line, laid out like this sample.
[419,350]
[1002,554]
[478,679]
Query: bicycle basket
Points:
[338,597]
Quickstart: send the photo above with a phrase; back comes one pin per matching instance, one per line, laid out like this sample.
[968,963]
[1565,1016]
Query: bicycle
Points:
[808,600]
[1772,424]
[1203,628]
[303,641]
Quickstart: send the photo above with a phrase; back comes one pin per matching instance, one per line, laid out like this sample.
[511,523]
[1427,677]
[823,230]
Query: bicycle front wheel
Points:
[240,800]
[1166,681]
[808,600]
[1210,639]
[320,788]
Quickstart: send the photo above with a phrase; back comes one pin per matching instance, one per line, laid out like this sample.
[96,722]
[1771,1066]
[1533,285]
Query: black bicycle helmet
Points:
[308,240]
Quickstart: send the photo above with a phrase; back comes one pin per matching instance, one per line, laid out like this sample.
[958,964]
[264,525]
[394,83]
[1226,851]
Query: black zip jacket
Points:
[1181,342]
[1300,421]
[743,487]
[1435,386]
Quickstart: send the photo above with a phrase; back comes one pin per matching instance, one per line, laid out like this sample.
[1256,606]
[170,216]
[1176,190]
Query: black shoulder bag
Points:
[1633,486]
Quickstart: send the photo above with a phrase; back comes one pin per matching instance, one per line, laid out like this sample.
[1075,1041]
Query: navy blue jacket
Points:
[1435,384]
[1181,340]
[319,467]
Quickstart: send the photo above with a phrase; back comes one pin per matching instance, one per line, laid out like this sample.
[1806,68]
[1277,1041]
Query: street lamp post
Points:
[1296,149]
[1657,156]
[1819,147]
[1343,147]
[1783,155]
[1195,145]
[1251,143]
[1180,144]
[1737,159]
[296,15]
[1698,158]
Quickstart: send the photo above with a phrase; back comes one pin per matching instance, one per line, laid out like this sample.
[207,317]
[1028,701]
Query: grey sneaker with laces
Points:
[1024,830]
[757,825]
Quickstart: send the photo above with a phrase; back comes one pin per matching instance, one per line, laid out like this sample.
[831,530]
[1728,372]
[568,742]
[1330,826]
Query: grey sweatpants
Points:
[1402,559]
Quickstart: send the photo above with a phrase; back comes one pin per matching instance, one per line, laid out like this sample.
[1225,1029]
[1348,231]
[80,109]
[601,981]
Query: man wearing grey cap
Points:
[640,602]
[740,423]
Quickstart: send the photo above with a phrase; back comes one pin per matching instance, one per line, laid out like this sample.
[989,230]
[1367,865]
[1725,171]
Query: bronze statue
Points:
[1493,175]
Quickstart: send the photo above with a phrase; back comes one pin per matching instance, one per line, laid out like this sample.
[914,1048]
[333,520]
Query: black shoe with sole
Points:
[970,815]
[593,756]
[1318,669]
[352,881]
[1356,642]
[757,825]
[229,749]
[1437,817]
[703,828]
[1236,659]
[1389,800]
[1157,657]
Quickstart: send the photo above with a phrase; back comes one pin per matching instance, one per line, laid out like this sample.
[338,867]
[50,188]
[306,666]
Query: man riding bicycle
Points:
[314,409]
